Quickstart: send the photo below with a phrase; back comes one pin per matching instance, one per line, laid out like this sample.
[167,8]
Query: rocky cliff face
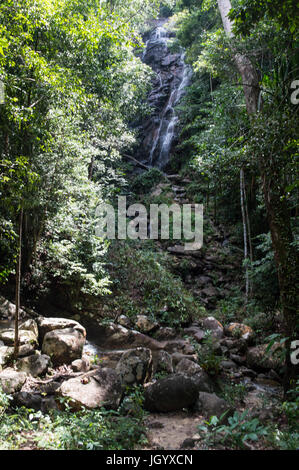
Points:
[172,78]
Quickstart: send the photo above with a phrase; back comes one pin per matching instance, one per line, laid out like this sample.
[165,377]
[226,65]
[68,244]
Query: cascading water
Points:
[173,76]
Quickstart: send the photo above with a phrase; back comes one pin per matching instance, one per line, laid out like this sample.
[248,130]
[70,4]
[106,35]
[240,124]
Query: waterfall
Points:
[173,76]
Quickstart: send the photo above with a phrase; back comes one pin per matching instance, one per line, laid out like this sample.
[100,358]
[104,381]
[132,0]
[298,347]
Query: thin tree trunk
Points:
[18,287]
[244,232]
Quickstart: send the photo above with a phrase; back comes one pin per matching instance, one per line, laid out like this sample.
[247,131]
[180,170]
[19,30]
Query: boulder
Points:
[30,325]
[145,324]
[198,375]
[170,394]
[162,362]
[81,365]
[209,404]
[25,337]
[197,333]
[213,325]
[259,358]
[114,336]
[165,333]
[239,330]
[34,401]
[100,387]
[228,365]
[179,345]
[6,354]
[45,325]
[177,357]
[28,400]
[135,366]
[124,321]
[64,345]
[7,309]
[34,365]
[12,381]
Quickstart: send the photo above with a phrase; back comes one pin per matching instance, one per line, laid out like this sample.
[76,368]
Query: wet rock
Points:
[239,330]
[63,346]
[170,394]
[170,59]
[213,325]
[11,380]
[95,389]
[34,365]
[209,404]
[145,324]
[259,358]
[135,366]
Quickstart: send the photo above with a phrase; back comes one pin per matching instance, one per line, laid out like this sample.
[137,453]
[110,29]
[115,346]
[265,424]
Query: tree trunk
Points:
[242,192]
[18,287]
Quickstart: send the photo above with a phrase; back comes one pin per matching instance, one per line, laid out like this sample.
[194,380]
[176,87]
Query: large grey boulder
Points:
[262,358]
[199,377]
[170,394]
[63,346]
[35,365]
[100,387]
[12,381]
[209,404]
[135,366]
[45,325]
[214,326]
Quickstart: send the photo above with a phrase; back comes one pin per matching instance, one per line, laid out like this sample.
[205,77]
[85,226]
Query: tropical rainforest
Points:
[138,343]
